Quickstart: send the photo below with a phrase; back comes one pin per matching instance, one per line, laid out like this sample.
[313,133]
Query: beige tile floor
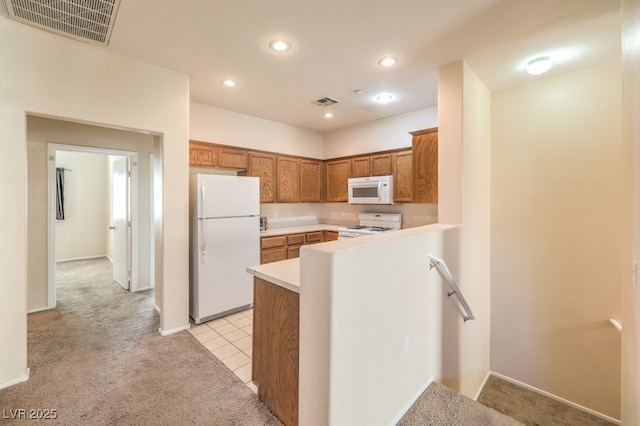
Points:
[230,340]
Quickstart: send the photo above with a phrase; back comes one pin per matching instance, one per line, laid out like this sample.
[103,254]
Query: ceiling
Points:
[337,44]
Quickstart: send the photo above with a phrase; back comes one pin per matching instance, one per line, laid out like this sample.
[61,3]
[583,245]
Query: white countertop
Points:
[285,273]
[301,228]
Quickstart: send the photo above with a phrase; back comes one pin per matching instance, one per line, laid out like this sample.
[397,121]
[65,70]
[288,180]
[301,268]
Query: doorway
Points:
[93,210]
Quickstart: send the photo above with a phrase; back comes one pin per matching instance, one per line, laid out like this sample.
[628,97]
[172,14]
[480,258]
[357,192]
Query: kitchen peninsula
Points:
[276,320]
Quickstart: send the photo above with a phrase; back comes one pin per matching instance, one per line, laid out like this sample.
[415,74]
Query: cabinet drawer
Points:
[272,242]
[314,237]
[331,235]
[273,255]
[294,239]
[293,252]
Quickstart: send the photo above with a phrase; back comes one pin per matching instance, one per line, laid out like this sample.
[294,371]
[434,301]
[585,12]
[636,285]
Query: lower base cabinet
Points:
[275,362]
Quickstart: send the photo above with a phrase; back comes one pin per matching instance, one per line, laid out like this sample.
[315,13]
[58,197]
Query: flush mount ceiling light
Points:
[539,65]
[388,61]
[384,98]
[328,115]
[229,83]
[280,45]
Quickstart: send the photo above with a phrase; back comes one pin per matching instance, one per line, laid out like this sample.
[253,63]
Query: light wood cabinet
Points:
[263,166]
[330,235]
[203,154]
[310,181]
[314,237]
[381,165]
[360,167]
[294,242]
[273,249]
[232,158]
[425,166]
[288,180]
[276,348]
[337,180]
[403,177]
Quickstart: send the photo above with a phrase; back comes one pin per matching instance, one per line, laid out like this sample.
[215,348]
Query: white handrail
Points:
[616,324]
[447,278]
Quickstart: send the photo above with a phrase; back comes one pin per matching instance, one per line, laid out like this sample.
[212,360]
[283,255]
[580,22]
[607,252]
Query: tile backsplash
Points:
[347,214]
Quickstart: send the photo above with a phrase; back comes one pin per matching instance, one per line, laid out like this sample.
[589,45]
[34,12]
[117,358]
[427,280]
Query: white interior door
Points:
[119,221]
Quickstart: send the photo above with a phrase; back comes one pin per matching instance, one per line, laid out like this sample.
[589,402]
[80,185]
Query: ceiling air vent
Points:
[88,20]
[326,101]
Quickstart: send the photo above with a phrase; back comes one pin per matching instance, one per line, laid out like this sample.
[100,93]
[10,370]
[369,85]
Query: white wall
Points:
[631,291]
[49,75]
[354,316]
[211,124]
[379,135]
[41,131]
[559,238]
[464,141]
[83,232]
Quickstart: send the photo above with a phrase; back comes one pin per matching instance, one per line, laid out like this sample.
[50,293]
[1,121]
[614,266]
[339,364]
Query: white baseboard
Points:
[20,379]
[156,308]
[46,308]
[173,331]
[82,258]
[484,382]
[412,401]
[141,289]
[557,398]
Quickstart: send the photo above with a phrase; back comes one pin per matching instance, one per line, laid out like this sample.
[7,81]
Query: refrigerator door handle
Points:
[203,231]
[203,239]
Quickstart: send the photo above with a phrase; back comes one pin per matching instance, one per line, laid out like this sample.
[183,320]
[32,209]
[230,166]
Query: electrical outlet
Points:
[405,344]
[429,217]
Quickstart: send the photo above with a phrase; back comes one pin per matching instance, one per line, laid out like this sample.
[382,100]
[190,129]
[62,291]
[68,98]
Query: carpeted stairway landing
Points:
[439,405]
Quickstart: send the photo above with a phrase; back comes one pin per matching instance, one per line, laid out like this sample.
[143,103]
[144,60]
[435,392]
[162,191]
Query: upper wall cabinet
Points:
[425,166]
[381,165]
[310,181]
[403,177]
[263,166]
[288,180]
[232,158]
[360,167]
[337,180]
[203,154]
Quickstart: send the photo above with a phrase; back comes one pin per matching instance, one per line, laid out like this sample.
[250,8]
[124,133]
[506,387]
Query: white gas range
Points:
[372,223]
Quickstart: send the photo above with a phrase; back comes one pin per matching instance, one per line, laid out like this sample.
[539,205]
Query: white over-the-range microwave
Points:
[371,190]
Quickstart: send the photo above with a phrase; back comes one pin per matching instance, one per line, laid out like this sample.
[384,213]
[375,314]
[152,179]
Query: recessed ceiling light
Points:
[229,83]
[328,114]
[388,61]
[384,98]
[279,45]
[539,65]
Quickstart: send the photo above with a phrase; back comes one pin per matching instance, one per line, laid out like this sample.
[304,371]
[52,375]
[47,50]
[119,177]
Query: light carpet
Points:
[97,359]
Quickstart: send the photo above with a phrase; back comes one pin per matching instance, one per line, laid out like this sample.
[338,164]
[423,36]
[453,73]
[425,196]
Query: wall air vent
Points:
[87,20]
[326,101]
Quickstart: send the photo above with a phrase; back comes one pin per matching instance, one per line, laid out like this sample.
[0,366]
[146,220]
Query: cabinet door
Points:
[403,177]
[337,180]
[288,180]
[360,167]
[232,158]
[310,180]
[381,165]
[425,166]
[203,154]
[264,166]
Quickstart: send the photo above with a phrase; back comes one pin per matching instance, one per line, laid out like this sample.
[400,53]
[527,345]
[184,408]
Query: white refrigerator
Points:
[225,226]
